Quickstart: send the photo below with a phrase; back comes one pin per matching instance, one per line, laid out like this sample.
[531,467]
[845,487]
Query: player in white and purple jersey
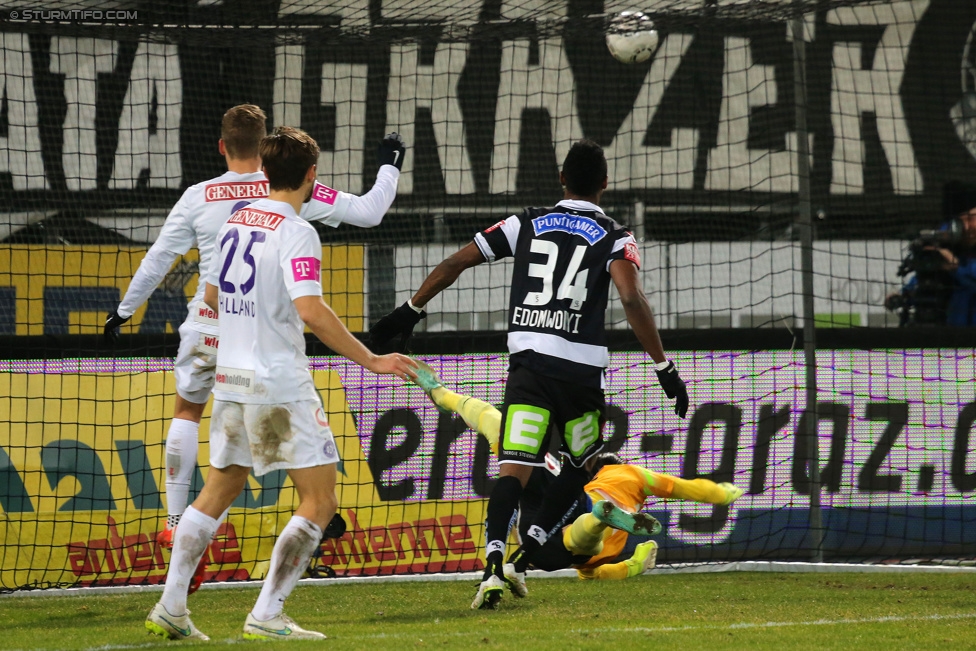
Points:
[264,282]
[194,221]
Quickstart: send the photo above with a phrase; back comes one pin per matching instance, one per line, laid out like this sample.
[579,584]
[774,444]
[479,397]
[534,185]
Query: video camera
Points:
[925,302]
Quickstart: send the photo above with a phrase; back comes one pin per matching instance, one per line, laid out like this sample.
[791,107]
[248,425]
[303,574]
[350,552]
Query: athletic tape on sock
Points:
[538,534]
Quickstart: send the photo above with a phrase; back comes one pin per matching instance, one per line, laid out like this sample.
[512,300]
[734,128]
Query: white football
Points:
[631,37]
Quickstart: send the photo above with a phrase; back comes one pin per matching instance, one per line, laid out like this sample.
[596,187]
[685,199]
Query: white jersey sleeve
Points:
[300,257]
[151,272]
[213,269]
[333,207]
[176,238]
[178,235]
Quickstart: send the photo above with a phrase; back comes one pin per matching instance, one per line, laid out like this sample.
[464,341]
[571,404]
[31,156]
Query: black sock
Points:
[520,559]
[493,565]
[502,506]
[560,497]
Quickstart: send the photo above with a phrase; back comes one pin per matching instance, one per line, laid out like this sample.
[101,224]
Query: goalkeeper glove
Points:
[335,528]
[112,323]
[392,150]
[400,321]
[674,387]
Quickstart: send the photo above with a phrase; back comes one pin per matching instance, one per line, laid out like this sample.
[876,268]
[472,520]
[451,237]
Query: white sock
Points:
[539,534]
[289,560]
[181,462]
[189,545]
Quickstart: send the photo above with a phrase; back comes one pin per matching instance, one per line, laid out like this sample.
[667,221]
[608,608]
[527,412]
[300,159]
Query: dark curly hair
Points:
[585,168]
[605,459]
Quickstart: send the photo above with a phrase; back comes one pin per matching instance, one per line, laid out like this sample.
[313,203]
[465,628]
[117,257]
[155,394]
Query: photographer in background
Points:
[943,289]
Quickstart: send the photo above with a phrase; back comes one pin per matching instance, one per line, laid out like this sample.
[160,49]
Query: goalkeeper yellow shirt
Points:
[627,486]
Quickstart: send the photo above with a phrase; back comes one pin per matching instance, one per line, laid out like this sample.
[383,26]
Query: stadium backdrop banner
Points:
[81,475]
[68,290]
[61,290]
[892,106]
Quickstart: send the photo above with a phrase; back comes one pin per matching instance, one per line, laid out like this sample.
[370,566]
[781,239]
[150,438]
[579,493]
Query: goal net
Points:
[110,110]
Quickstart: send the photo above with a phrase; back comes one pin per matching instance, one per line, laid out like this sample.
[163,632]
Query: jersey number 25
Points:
[235,237]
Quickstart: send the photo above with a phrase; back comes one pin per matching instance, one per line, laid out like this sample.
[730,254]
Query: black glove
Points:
[316,569]
[400,321]
[674,387]
[112,323]
[392,150]
[335,528]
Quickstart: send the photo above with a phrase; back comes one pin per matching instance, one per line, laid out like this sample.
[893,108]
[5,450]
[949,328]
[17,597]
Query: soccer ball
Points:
[631,37]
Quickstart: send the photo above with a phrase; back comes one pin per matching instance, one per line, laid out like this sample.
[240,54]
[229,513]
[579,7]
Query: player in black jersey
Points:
[565,257]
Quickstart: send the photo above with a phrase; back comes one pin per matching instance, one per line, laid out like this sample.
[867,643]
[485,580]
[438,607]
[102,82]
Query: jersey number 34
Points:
[573,285]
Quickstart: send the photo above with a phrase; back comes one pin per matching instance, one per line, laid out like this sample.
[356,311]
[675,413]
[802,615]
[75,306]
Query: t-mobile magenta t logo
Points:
[305,269]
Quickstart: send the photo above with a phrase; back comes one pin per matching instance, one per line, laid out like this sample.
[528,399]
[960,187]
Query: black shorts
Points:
[536,405]
[553,555]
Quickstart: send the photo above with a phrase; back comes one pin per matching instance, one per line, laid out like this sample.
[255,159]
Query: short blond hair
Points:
[242,129]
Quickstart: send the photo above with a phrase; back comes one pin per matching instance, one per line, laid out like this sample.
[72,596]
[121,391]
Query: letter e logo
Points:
[525,428]
[582,432]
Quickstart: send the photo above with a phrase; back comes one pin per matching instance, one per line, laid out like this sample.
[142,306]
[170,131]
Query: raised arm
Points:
[332,207]
[965,273]
[403,319]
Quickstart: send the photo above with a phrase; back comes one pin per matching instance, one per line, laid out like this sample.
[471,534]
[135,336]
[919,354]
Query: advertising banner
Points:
[82,449]
[898,470]
[63,290]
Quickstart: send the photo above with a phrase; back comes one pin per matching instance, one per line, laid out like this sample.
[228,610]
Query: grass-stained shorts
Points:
[195,365]
[283,436]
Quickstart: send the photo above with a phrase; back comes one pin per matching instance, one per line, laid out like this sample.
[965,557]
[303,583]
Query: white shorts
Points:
[270,437]
[195,365]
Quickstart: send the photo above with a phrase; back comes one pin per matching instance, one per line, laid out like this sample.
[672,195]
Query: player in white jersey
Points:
[267,415]
[194,220]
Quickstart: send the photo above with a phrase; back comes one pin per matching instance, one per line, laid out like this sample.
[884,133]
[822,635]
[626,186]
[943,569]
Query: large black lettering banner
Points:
[106,117]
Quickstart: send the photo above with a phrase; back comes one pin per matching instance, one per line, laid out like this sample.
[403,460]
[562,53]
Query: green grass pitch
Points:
[738,611]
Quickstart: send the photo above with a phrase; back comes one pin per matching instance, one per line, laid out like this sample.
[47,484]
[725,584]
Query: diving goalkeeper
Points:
[603,515]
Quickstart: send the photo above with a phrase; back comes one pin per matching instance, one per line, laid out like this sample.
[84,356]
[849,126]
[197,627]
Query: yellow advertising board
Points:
[82,472]
[69,289]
